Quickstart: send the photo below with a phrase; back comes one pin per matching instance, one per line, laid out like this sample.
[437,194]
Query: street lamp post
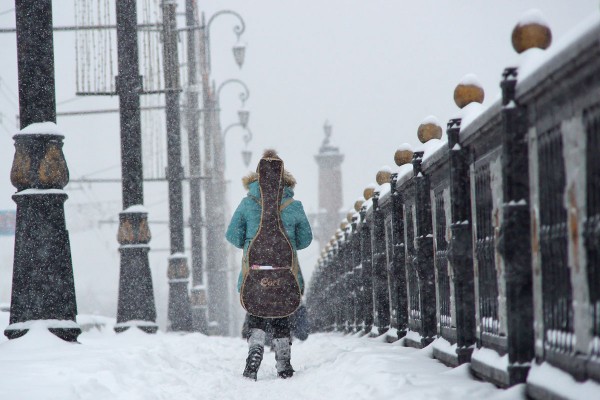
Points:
[198,292]
[43,287]
[221,275]
[179,313]
[136,296]
[215,227]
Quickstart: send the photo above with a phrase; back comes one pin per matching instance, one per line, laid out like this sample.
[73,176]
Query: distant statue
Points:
[326,145]
[327,129]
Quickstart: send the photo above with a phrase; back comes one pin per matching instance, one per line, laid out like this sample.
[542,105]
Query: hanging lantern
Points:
[239,52]
[246,156]
[243,116]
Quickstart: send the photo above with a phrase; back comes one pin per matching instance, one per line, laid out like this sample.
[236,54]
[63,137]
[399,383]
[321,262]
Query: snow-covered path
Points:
[134,365]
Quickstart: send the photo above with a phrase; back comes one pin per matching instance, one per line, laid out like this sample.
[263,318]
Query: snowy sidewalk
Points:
[134,365]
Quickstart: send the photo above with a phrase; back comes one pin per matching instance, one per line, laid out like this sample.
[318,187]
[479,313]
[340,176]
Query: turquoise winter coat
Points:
[246,220]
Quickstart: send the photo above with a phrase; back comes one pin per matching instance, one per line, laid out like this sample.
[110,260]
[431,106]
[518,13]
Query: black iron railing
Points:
[556,283]
[484,250]
[591,119]
[513,203]
[441,261]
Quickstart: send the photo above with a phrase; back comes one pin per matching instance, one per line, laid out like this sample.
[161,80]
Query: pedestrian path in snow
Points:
[134,365]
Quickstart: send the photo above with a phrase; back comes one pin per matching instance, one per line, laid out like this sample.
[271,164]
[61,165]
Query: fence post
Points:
[424,244]
[329,284]
[312,298]
[515,238]
[342,280]
[355,261]
[337,283]
[348,279]
[398,272]
[366,276]
[460,252]
[381,298]
[319,294]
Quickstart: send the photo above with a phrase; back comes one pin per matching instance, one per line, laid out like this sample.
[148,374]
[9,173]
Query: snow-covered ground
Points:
[134,365]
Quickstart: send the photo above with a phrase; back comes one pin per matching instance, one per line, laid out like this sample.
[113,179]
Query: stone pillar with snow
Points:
[329,160]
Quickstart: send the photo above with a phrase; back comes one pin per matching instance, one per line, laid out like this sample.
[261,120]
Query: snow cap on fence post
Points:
[369,191]
[383,175]
[531,31]
[350,215]
[468,90]
[344,225]
[429,129]
[403,155]
[359,203]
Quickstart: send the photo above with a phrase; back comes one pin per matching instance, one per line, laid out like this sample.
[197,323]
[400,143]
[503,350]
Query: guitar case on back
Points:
[270,288]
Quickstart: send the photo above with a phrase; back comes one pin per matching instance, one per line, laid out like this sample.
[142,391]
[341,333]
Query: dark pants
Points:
[279,327]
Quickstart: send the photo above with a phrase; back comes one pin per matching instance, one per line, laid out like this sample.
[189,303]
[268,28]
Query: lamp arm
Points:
[247,137]
[243,95]
[237,29]
[229,128]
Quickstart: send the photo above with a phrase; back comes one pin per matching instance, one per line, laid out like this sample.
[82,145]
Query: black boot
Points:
[283,356]
[256,348]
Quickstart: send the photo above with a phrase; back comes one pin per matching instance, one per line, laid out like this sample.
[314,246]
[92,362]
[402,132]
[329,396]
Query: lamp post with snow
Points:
[215,227]
[179,312]
[136,305]
[219,279]
[42,286]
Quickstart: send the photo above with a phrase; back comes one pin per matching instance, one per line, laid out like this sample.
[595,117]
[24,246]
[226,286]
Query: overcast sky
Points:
[375,69]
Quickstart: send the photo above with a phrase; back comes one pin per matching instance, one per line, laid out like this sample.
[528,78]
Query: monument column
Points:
[329,159]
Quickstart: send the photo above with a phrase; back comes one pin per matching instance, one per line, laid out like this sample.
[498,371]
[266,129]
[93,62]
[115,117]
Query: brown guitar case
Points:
[270,288]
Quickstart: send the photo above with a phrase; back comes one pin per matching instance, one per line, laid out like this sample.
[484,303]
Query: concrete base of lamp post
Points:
[136,295]
[179,312]
[199,310]
[42,285]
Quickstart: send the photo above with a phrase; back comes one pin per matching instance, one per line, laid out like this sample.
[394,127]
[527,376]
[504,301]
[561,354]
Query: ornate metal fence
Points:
[591,118]
[441,261]
[491,240]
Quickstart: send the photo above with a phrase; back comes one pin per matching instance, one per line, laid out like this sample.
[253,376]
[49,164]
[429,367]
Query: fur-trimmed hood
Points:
[288,179]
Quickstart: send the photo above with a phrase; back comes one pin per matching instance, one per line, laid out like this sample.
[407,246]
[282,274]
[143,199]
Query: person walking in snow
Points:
[242,229]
